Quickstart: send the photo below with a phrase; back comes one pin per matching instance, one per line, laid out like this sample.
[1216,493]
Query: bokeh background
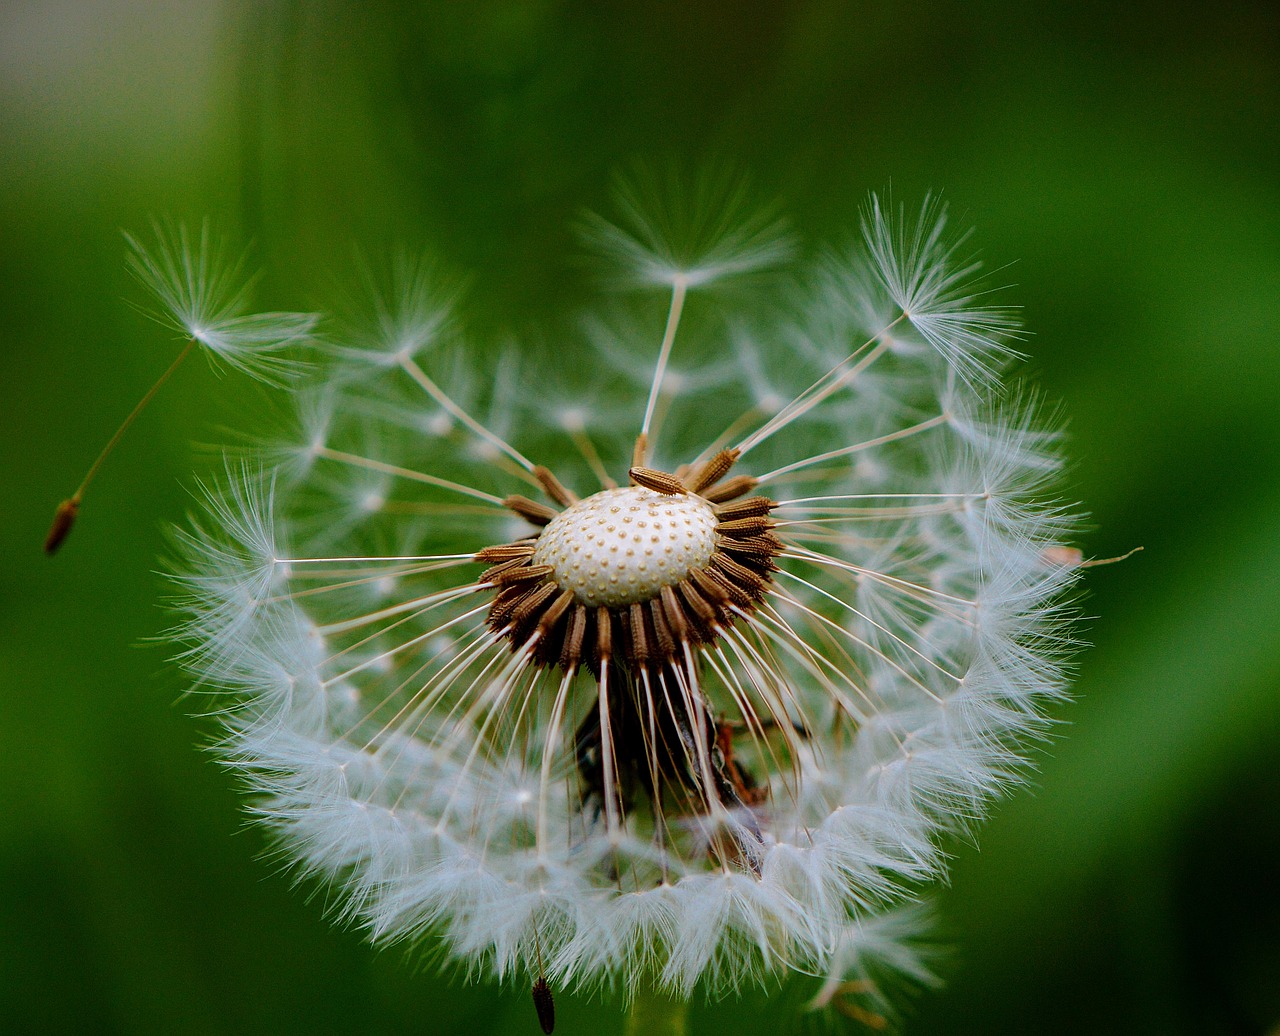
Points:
[1124,157]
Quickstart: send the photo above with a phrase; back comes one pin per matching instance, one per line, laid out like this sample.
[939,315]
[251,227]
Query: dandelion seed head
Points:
[634,676]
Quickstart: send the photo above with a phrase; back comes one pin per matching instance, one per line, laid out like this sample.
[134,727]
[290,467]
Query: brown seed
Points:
[738,572]
[504,604]
[604,635]
[639,635]
[749,508]
[743,586]
[673,614]
[658,481]
[505,552]
[553,614]
[1067,557]
[532,603]
[493,576]
[662,638]
[521,573]
[752,526]
[705,611]
[554,487]
[538,514]
[731,489]
[63,519]
[711,589]
[714,470]
[571,654]
[767,545]
[545,1005]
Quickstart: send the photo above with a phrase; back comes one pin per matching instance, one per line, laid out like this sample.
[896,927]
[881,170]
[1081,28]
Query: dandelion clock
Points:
[660,662]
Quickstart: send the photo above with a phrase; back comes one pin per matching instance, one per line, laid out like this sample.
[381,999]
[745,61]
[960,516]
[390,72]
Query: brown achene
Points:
[532,611]
[654,729]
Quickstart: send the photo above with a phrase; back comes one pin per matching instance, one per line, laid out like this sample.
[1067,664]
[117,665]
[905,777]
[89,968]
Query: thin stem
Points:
[67,511]
[441,397]
[132,418]
[589,453]
[835,379]
[342,457]
[678,292]
[844,451]
[142,405]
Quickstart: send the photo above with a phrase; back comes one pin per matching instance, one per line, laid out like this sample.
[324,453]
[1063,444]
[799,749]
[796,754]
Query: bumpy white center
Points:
[622,546]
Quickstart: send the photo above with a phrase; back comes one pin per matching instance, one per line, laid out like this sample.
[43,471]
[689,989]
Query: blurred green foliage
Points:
[1126,156]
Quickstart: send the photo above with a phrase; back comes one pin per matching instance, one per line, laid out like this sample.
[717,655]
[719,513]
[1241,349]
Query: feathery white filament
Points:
[758,801]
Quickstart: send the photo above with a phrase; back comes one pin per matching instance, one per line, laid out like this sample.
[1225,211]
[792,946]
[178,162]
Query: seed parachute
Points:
[667,660]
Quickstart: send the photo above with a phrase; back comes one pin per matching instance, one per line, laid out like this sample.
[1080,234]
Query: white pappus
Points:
[668,661]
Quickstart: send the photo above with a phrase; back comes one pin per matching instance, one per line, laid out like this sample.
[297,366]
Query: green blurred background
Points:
[1126,156]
